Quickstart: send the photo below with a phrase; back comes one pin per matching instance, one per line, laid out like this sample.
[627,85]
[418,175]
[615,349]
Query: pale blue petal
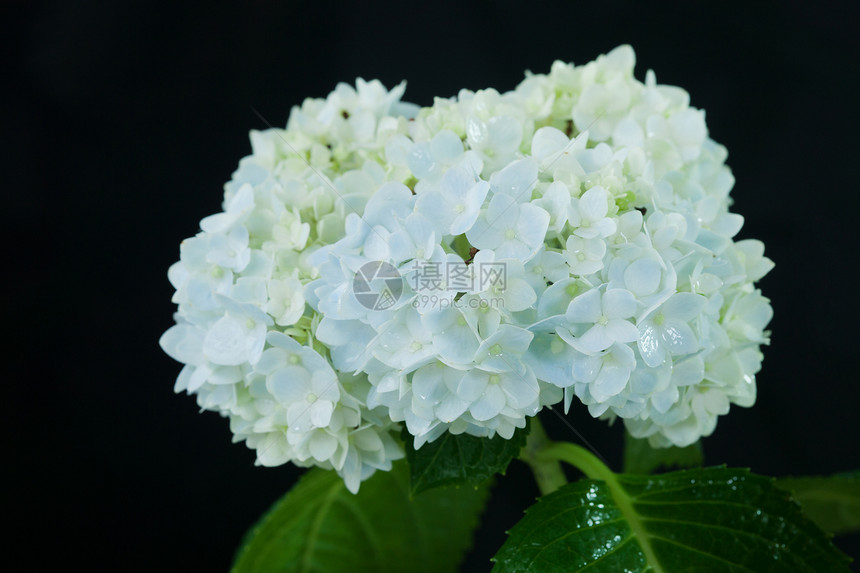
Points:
[568,398]
[585,308]
[428,385]
[664,400]
[289,385]
[521,391]
[390,202]
[456,345]
[184,343]
[551,359]
[683,306]
[688,372]
[476,194]
[351,471]
[255,342]
[518,295]
[586,368]
[397,149]
[437,208]
[555,299]
[549,324]
[273,450]
[593,204]
[472,385]
[226,342]
[476,132]
[467,219]
[646,380]
[512,249]
[389,383]
[622,330]
[484,234]
[712,402]
[650,345]
[628,133]
[322,445]
[618,303]
[446,146]
[724,369]
[611,380]
[421,161]
[597,338]
[489,404]
[548,141]
[324,384]
[451,408]
[642,276]
[679,338]
[605,227]
[532,225]
[503,211]
[320,413]
[505,133]
[516,180]
[298,417]
[367,440]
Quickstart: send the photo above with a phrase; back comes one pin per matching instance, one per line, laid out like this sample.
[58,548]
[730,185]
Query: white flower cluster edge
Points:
[602,196]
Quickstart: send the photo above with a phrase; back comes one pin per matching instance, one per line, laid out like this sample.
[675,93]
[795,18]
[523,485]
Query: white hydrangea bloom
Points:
[456,268]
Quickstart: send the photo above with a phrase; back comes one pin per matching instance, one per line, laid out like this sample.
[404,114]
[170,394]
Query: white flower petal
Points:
[642,276]
[516,180]
[489,404]
[532,225]
[322,445]
[650,345]
[611,380]
[320,413]
[472,385]
[290,384]
[679,337]
[622,331]
[683,306]
[547,141]
[446,146]
[428,385]
[618,303]
[505,133]
[451,408]
[594,204]
[184,343]
[585,308]
[521,391]
[689,371]
[595,339]
[273,450]
[226,342]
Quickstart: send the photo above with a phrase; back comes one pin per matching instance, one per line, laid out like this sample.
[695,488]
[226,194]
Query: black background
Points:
[124,119]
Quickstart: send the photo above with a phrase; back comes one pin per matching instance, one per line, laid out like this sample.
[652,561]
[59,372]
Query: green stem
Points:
[578,457]
[547,471]
[592,467]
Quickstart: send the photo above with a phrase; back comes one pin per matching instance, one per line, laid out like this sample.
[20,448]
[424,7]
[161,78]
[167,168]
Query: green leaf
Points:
[319,527]
[831,502]
[461,246]
[641,458]
[711,519]
[461,459]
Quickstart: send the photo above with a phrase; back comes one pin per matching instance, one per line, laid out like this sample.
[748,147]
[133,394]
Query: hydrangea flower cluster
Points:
[569,238]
